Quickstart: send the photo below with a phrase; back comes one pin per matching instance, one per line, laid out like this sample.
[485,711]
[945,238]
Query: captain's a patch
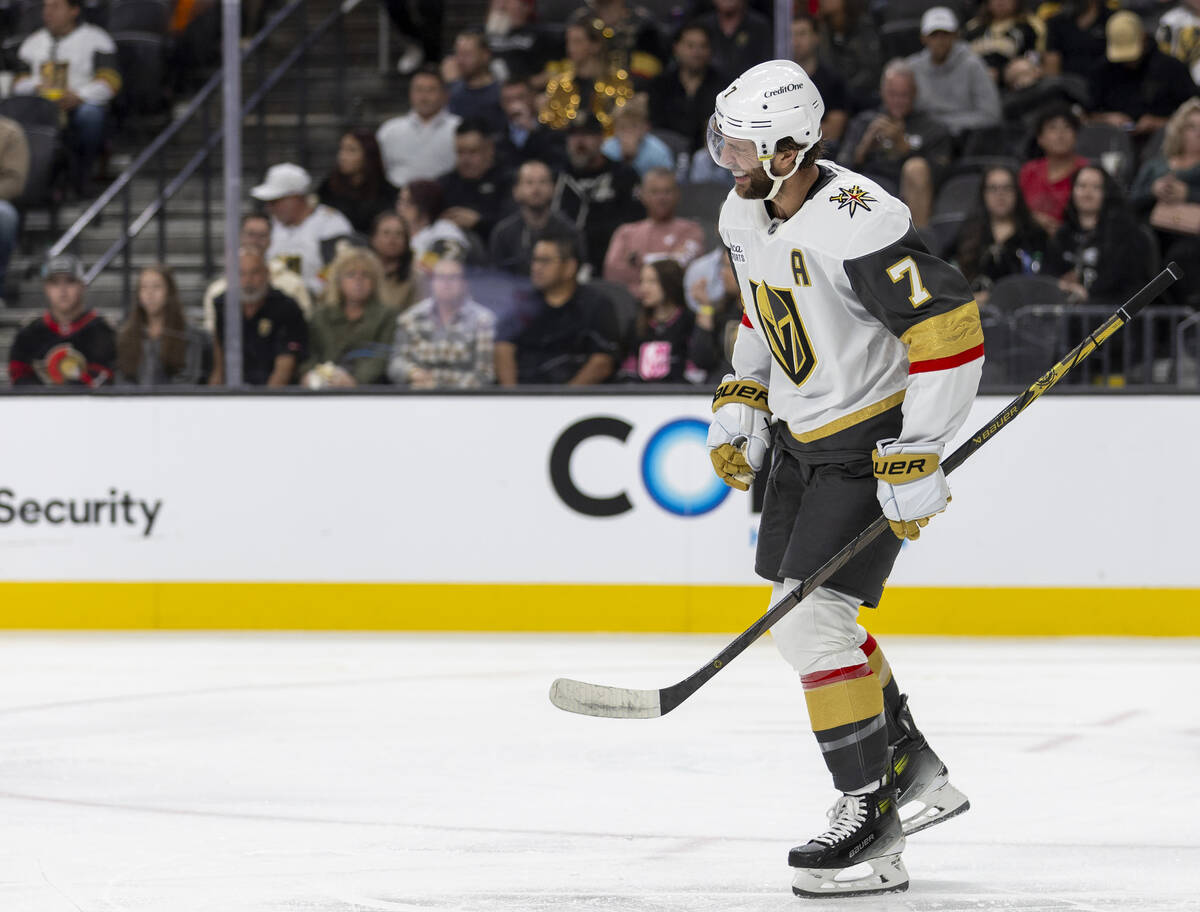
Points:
[852,199]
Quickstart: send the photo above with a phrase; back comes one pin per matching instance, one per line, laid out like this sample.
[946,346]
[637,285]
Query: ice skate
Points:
[858,855]
[926,796]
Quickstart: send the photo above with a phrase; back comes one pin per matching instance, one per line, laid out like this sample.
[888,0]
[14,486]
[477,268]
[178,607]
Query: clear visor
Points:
[738,155]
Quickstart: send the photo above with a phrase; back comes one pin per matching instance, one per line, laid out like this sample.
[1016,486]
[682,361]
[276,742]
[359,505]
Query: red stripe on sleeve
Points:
[746,320]
[869,646]
[941,364]
[837,676]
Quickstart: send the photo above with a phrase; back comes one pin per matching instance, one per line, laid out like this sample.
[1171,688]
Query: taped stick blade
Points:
[607,702]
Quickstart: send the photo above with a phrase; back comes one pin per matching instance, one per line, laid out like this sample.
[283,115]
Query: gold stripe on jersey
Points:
[946,334]
[847,421]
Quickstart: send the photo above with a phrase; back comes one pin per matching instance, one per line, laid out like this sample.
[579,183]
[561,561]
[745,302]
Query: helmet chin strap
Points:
[778,181]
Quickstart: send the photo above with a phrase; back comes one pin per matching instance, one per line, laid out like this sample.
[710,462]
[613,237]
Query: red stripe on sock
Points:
[938,364]
[823,678]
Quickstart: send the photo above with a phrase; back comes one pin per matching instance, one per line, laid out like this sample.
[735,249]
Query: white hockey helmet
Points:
[767,103]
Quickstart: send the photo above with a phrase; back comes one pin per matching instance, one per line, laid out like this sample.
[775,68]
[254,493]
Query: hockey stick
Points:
[625,703]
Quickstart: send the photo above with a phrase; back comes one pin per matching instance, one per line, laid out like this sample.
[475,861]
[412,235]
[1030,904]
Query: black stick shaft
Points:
[670,697]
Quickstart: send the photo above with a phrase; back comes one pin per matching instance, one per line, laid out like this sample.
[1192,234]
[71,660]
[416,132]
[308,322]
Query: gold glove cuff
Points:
[901,468]
[745,392]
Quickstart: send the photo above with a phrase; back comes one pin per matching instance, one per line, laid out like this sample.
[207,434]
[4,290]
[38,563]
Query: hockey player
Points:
[858,357]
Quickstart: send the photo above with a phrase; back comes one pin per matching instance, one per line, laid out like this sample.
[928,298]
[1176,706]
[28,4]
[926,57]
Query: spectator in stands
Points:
[633,143]
[906,148]
[593,192]
[511,243]
[636,44]
[155,345]
[1001,237]
[588,81]
[389,242]
[1099,254]
[718,315]
[571,338]
[419,145]
[660,234]
[431,236]
[357,186]
[663,331]
[475,94]
[298,223]
[740,36]
[806,43]
[14,170]
[446,340]
[519,48]
[1166,191]
[349,334]
[478,192]
[1137,87]
[1179,34]
[419,23]
[68,345]
[73,64]
[274,334]
[953,84]
[1046,182]
[524,138]
[1008,40]
[255,234]
[850,42]
[682,97]
[1075,40]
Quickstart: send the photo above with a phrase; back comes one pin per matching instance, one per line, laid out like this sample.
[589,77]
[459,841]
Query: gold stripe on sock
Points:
[844,703]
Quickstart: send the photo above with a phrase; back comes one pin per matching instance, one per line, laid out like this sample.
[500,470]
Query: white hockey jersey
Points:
[857,330]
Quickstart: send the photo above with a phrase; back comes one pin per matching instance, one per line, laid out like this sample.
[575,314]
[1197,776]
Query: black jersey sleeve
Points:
[903,284]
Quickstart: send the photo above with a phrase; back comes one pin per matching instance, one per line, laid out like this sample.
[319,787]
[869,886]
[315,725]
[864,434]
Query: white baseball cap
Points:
[283,180]
[938,19]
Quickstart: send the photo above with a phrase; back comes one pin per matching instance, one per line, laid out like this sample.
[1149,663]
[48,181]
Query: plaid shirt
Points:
[458,354]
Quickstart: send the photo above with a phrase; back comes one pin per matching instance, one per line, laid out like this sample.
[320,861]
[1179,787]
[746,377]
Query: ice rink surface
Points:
[429,773]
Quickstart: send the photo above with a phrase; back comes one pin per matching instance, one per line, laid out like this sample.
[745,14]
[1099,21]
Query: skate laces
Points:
[845,817]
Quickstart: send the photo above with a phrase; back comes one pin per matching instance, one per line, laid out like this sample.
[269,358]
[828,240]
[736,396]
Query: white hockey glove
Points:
[739,434]
[912,486]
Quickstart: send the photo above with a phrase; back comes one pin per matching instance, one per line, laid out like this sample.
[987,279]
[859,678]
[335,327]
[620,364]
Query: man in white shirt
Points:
[298,223]
[419,145]
[75,66]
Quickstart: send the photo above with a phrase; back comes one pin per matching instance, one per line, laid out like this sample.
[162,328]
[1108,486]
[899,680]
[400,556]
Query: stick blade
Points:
[607,702]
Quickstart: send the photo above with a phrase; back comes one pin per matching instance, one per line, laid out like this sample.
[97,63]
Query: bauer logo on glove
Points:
[912,486]
[739,434]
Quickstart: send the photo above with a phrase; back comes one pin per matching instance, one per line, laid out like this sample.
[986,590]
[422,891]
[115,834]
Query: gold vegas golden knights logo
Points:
[780,319]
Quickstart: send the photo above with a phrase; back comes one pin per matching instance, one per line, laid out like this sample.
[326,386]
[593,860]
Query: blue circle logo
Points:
[677,471]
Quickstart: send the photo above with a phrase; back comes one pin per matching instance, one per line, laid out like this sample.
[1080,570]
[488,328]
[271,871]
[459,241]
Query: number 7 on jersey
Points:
[908,267]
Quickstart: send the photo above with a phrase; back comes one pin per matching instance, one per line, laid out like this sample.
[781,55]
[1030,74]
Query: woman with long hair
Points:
[1100,253]
[390,242]
[1164,182]
[664,326]
[349,336]
[155,345]
[356,186]
[1001,237]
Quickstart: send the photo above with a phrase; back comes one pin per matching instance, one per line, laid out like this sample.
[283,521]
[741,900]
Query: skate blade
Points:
[935,806]
[885,874]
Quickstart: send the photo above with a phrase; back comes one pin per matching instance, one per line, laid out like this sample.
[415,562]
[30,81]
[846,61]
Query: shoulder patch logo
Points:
[853,198]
